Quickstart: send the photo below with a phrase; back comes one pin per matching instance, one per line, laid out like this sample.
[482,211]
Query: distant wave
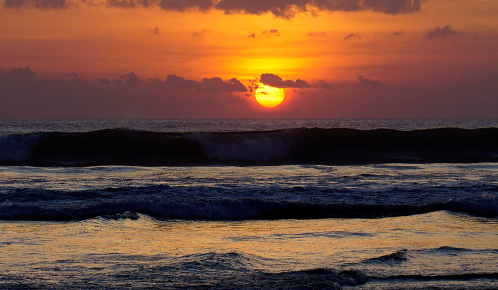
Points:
[36,204]
[291,146]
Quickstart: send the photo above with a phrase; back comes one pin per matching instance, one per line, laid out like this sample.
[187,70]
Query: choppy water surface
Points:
[385,226]
[436,249]
[246,219]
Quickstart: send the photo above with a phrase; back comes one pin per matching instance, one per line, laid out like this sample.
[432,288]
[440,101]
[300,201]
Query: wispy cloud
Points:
[439,32]
[200,33]
[367,83]
[351,35]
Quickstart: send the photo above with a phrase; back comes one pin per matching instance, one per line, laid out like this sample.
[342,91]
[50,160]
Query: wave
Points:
[398,256]
[291,146]
[249,271]
[166,203]
[455,277]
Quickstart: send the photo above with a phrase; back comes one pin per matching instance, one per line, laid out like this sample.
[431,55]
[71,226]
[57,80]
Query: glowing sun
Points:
[268,96]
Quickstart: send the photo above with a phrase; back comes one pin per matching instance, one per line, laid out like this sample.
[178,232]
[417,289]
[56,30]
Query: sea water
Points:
[246,226]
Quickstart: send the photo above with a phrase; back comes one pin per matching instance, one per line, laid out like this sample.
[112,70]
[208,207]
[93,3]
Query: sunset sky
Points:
[205,58]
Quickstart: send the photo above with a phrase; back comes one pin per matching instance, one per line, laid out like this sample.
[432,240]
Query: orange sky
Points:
[416,58]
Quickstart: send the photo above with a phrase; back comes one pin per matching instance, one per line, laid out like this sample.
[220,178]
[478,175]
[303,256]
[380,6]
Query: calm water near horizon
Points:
[404,225]
[229,125]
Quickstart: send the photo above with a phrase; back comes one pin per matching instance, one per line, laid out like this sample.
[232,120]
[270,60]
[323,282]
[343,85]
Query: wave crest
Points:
[290,146]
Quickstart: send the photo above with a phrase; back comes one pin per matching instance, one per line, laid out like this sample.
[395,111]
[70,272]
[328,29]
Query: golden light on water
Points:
[269,97]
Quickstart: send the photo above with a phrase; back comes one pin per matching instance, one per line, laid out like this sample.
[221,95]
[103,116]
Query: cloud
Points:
[399,32]
[174,81]
[206,85]
[351,35]
[21,74]
[322,85]
[130,79]
[367,83]
[271,32]
[121,3]
[290,8]
[155,31]
[316,33]
[216,85]
[286,9]
[201,32]
[439,32]
[276,81]
[25,95]
[185,5]
[40,4]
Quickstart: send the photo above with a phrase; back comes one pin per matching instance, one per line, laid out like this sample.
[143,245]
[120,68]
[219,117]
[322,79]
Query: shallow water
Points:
[415,251]
[394,226]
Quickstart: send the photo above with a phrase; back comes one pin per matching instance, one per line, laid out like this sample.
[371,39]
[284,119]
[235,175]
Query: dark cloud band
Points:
[279,8]
[289,8]
[40,4]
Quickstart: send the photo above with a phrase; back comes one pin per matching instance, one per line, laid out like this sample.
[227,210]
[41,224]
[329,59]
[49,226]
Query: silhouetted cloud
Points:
[185,5]
[439,32]
[24,94]
[290,8]
[351,35]
[286,9]
[177,82]
[276,81]
[367,83]
[21,74]
[316,33]
[130,79]
[322,85]
[399,32]
[210,85]
[121,3]
[105,81]
[40,4]
[271,32]
[200,33]
[216,84]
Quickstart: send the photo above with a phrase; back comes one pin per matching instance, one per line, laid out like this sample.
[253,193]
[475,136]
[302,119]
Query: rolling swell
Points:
[170,203]
[292,146]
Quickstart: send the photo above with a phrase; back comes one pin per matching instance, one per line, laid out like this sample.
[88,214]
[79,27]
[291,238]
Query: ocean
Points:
[249,204]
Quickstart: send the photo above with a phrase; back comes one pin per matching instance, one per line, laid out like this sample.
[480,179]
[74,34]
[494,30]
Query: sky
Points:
[78,59]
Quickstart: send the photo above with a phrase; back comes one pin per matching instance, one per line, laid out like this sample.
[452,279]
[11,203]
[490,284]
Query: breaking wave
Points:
[168,203]
[290,146]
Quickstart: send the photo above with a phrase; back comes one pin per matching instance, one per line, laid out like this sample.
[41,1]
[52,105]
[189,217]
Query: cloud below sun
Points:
[24,94]
[21,90]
